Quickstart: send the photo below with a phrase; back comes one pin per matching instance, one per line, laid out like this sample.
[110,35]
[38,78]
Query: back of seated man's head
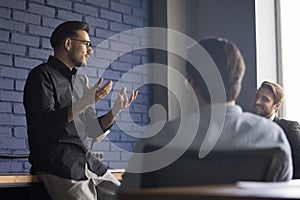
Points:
[229,62]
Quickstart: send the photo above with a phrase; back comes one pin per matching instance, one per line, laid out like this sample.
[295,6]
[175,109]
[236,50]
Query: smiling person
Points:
[240,131]
[60,118]
[268,100]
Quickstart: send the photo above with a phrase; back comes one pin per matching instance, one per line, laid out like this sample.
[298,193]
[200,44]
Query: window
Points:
[290,33]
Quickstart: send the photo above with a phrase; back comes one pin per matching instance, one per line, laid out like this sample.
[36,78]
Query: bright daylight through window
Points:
[290,33]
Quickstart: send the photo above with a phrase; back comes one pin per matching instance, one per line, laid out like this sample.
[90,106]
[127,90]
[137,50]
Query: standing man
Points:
[267,102]
[60,118]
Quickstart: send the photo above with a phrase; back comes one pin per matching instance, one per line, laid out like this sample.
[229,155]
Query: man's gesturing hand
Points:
[122,101]
[94,94]
[89,97]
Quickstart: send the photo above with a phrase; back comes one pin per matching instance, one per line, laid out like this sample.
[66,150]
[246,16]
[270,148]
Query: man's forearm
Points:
[107,120]
[76,108]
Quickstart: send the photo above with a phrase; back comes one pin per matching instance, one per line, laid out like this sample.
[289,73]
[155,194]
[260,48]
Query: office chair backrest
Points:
[218,167]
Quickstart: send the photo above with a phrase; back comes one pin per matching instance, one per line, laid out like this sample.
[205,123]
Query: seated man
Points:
[238,130]
[267,102]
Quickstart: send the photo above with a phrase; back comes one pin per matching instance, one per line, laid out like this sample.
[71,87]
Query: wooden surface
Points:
[7,179]
[243,190]
[118,173]
[28,179]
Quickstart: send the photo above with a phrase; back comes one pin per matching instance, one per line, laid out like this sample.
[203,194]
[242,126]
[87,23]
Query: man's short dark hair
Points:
[67,29]
[275,89]
[230,63]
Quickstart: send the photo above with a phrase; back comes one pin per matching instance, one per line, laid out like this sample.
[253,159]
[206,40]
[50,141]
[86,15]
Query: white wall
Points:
[265,41]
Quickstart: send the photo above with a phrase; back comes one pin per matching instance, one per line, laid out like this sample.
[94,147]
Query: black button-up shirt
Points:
[57,146]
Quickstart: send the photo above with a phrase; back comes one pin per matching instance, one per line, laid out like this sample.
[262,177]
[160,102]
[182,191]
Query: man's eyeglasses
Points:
[86,42]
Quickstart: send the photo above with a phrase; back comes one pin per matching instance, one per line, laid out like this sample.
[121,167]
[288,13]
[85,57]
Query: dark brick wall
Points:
[25,28]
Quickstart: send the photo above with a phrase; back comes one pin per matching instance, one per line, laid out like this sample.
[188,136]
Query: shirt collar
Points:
[64,69]
[273,117]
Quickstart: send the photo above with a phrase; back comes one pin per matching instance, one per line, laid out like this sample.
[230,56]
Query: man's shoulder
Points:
[41,68]
[256,120]
[287,124]
[259,127]
[162,132]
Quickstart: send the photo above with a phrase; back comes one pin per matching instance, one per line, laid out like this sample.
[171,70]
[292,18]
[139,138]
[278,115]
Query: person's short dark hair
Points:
[275,89]
[230,63]
[67,29]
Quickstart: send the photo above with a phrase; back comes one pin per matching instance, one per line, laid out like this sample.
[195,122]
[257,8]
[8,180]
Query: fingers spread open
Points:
[86,81]
[125,95]
[104,90]
[133,96]
[98,83]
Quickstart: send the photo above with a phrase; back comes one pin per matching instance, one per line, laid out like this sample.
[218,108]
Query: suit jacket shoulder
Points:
[283,123]
[292,132]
